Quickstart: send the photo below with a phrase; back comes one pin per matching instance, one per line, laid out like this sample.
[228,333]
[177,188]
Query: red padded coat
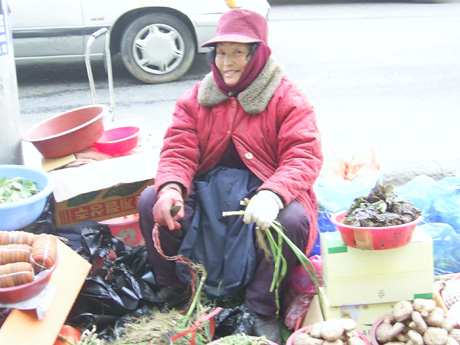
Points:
[273,127]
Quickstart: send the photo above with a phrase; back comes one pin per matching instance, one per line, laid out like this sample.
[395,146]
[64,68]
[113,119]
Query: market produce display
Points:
[381,220]
[382,207]
[23,255]
[417,322]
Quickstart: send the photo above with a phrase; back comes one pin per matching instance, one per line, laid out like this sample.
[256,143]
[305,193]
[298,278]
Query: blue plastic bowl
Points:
[19,214]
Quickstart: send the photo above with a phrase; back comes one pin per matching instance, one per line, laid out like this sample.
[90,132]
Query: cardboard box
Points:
[23,327]
[364,314]
[99,190]
[355,276]
[112,202]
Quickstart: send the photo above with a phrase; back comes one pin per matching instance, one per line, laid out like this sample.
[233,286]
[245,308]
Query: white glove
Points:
[263,209]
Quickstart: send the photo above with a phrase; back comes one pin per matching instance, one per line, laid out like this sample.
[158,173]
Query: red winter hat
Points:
[241,26]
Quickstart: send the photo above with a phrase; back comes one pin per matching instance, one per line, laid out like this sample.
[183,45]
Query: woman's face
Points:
[231,60]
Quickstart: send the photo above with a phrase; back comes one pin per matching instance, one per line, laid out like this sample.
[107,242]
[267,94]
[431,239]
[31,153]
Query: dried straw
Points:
[155,329]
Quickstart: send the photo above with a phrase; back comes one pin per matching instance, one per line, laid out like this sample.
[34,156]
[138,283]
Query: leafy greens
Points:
[382,207]
[15,189]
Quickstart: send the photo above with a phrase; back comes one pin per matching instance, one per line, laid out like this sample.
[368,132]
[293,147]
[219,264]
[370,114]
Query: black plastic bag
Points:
[233,321]
[121,283]
[45,222]
[109,326]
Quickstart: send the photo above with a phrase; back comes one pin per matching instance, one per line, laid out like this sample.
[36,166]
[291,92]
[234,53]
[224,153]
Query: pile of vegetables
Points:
[420,322]
[382,207]
[15,189]
[333,331]
[23,255]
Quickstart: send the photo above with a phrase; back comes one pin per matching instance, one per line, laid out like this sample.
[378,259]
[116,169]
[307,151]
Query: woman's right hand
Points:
[168,197]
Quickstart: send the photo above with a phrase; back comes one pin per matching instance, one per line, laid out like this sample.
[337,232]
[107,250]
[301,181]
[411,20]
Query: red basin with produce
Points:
[374,238]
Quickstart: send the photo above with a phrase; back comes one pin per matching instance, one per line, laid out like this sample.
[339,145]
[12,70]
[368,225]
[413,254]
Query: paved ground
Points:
[381,75]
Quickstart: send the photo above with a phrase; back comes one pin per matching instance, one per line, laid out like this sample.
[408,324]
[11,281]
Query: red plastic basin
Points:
[127,228]
[25,291]
[374,238]
[69,132]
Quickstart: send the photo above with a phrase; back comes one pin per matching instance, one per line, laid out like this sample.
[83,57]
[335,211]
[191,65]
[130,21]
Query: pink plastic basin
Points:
[375,325]
[117,141]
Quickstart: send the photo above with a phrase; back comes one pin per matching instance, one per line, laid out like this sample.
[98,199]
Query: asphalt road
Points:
[383,76]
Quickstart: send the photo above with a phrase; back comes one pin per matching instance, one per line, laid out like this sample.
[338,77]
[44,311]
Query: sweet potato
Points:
[15,274]
[10,253]
[44,252]
[16,237]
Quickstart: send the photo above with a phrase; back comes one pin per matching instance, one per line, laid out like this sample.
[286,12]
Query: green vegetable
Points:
[279,261]
[304,261]
[15,189]
[382,207]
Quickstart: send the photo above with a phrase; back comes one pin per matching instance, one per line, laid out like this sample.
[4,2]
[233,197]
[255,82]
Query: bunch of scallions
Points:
[277,254]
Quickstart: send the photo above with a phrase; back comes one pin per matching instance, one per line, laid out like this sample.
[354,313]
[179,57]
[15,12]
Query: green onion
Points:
[279,261]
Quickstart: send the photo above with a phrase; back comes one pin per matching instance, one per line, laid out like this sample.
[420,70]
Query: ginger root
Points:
[402,310]
[435,336]
[419,322]
[330,332]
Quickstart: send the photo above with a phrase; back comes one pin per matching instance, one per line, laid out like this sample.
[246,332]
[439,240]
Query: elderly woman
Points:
[245,132]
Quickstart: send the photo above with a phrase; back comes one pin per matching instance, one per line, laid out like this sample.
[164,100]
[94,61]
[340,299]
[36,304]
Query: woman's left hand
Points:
[263,208]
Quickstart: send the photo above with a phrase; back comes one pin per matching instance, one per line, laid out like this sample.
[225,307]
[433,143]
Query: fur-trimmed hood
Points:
[254,98]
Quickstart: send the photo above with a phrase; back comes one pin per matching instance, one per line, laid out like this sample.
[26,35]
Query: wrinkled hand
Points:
[169,196]
[263,208]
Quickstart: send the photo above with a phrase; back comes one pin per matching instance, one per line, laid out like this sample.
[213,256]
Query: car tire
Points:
[157,48]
